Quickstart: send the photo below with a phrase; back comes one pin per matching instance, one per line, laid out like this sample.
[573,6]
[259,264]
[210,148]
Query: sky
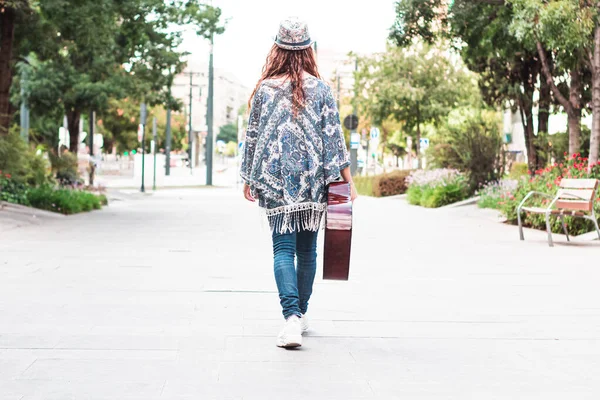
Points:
[336,25]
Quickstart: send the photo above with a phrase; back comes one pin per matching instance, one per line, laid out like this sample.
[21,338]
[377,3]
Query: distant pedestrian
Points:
[294,148]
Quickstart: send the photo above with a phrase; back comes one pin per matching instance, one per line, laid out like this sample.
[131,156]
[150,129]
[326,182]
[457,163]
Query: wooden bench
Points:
[575,198]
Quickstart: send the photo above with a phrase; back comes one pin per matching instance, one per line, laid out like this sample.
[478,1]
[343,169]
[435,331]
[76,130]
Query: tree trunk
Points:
[595,64]
[543,119]
[572,105]
[526,112]
[73,118]
[529,75]
[7,35]
[574,117]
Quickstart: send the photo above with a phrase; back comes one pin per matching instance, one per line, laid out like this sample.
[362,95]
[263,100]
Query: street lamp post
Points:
[168,144]
[190,139]
[91,144]
[154,144]
[209,116]
[143,123]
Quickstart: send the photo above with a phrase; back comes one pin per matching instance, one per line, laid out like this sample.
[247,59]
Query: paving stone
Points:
[172,296]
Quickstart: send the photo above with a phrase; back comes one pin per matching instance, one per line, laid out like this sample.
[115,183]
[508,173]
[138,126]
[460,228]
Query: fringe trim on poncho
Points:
[296,217]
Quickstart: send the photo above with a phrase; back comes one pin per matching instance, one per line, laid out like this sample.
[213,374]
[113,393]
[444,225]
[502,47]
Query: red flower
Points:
[8,176]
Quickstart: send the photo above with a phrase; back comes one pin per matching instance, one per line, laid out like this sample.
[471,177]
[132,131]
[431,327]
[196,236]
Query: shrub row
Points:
[47,197]
[390,184]
[437,188]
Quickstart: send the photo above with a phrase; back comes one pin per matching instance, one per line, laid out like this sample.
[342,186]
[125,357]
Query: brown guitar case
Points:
[338,232]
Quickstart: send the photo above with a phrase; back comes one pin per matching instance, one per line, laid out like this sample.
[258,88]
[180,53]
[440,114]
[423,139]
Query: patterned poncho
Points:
[288,160]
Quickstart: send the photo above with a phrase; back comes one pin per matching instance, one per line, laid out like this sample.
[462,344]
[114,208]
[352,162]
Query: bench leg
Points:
[562,221]
[520,224]
[597,228]
[549,230]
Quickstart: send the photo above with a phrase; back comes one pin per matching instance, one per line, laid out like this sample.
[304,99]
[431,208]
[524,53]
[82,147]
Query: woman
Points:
[294,148]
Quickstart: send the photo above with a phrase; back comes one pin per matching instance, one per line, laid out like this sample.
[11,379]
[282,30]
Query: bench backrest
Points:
[577,194]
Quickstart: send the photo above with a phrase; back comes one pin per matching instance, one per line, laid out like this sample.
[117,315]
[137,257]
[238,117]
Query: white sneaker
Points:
[291,334]
[304,323]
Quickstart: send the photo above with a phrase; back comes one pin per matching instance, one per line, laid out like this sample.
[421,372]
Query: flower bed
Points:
[47,197]
[437,188]
[507,198]
[494,193]
[383,185]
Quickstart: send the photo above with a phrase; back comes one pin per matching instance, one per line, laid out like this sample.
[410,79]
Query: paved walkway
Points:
[171,296]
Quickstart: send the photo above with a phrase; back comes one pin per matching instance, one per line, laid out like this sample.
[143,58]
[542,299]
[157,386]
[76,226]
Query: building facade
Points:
[229,96]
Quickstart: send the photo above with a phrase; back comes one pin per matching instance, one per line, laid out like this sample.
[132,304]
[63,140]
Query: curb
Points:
[467,202]
[30,211]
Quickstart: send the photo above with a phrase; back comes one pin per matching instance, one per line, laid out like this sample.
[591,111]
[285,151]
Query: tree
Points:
[106,49]
[10,11]
[508,71]
[228,133]
[471,141]
[416,85]
[549,28]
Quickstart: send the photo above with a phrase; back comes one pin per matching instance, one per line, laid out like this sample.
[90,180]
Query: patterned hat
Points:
[293,35]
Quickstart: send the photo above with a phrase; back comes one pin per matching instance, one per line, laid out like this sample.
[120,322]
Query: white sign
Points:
[424,142]
[354,140]
[374,133]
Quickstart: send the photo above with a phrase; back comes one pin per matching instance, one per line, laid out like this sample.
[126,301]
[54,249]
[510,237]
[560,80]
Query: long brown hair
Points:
[290,64]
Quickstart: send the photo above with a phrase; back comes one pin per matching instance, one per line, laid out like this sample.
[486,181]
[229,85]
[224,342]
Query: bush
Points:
[472,143]
[364,185]
[437,188]
[493,194]
[231,149]
[517,170]
[547,181]
[11,190]
[65,169]
[390,184]
[65,201]
[23,165]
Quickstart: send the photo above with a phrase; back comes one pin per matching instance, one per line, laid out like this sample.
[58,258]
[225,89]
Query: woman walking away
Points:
[294,148]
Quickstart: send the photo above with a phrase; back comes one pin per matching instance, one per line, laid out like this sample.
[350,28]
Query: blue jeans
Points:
[295,283]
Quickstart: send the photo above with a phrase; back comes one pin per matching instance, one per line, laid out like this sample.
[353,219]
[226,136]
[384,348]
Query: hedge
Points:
[389,184]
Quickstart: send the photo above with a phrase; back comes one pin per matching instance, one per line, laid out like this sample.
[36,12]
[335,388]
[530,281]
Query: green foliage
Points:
[64,201]
[364,185]
[11,190]
[22,163]
[231,149]
[559,144]
[415,18]
[437,188]
[83,54]
[228,133]
[388,184]
[416,85]
[65,169]
[472,143]
[493,194]
[518,170]
[547,181]
[414,194]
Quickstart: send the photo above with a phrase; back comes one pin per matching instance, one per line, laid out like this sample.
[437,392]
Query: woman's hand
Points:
[247,193]
[353,192]
[347,176]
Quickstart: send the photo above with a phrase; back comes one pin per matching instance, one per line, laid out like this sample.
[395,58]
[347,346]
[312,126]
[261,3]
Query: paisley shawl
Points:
[288,160]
